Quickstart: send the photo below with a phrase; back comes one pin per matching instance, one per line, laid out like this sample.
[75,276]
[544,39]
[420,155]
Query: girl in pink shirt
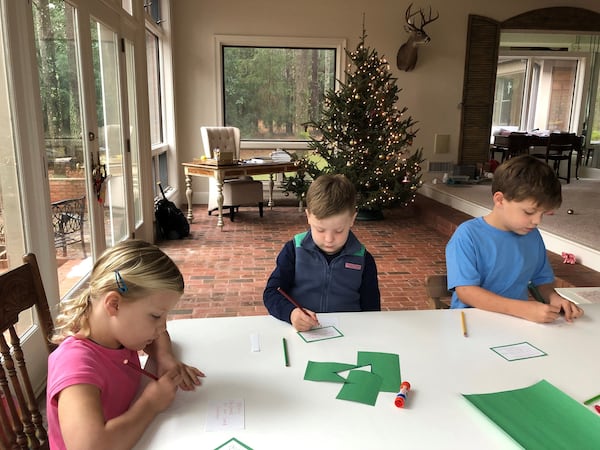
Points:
[92,394]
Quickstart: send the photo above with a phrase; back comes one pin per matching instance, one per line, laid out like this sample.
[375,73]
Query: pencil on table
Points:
[292,301]
[139,369]
[463,323]
[285,353]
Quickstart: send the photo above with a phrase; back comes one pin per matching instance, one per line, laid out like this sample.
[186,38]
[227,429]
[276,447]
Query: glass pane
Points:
[508,100]
[269,93]
[134,148]
[54,27]
[562,93]
[154,91]
[111,139]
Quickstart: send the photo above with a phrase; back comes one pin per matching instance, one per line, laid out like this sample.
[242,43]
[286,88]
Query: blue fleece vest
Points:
[328,287]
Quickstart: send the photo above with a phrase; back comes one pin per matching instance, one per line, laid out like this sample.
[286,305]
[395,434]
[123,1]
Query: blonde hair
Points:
[329,195]
[133,268]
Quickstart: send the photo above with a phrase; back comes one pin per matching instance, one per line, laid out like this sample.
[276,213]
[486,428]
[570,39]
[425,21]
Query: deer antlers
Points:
[409,18]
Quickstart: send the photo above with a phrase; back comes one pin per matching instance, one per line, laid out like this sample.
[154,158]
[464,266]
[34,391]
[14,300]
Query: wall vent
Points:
[441,166]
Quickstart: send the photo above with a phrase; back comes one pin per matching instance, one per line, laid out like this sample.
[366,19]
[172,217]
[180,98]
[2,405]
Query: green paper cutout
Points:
[232,443]
[361,386]
[326,371]
[541,417]
[386,365]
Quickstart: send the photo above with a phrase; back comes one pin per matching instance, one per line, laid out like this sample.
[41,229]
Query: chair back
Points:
[562,144]
[226,139]
[21,423]
[437,291]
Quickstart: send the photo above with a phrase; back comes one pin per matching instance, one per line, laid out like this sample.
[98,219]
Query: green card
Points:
[233,444]
[541,417]
[386,365]
[326,371]
[361,386]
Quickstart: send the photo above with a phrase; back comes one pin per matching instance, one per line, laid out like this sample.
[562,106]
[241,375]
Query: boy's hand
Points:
[571,310]
[540,312]
[303,322]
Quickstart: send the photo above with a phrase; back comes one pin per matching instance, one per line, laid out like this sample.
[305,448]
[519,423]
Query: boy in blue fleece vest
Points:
[325,269]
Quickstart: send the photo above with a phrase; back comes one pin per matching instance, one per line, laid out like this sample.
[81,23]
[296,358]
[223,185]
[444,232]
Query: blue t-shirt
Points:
[501,262]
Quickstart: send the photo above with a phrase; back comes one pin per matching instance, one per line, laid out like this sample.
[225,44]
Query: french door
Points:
[69,121]
[87,87]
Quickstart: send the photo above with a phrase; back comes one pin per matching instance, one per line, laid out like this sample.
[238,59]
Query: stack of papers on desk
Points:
[259,160]
[280,156]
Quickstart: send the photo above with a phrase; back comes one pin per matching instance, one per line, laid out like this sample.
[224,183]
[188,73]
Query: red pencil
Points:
[139,369]
[294,302]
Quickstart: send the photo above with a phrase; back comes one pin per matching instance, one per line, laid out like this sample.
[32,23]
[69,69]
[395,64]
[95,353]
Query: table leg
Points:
[271,185]
[189,194]
[220,200]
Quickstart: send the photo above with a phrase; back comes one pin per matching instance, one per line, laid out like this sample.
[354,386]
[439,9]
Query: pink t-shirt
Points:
[81,361]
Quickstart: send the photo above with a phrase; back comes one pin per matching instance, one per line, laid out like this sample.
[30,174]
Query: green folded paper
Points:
[541,417]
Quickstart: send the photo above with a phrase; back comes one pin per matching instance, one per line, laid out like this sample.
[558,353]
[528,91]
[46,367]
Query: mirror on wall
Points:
[484,56]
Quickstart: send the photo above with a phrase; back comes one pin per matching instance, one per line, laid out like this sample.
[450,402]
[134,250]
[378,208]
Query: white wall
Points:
[432,92]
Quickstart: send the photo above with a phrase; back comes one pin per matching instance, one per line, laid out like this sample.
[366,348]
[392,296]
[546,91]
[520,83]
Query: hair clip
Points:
[121,286]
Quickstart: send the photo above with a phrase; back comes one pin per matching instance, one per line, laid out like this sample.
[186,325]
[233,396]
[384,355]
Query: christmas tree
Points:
[364,136]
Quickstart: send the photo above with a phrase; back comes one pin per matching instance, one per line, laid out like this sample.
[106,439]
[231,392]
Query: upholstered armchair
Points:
[242,191]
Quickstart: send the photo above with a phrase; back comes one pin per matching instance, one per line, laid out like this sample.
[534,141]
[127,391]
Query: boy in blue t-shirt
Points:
[325,269]
[491,260]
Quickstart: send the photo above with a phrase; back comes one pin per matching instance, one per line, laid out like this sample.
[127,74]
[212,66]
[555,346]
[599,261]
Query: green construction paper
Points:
[232,444]
[361,386]
[386,365]
[326,371]
[541,417]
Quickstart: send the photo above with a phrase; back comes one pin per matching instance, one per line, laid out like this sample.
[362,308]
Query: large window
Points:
[270,87]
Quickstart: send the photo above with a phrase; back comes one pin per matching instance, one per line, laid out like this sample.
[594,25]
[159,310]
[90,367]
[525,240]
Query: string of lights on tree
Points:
[364,136]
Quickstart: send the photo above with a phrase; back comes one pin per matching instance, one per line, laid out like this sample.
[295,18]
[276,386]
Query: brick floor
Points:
[226,271]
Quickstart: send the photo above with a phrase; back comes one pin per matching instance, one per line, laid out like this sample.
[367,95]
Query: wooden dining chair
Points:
[438,294]
[560,148]
[21,423]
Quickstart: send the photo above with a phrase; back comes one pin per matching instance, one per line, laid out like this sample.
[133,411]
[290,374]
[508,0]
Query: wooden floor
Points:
[226,271]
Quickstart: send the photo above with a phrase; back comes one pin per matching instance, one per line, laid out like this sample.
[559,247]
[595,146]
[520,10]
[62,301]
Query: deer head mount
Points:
[408,52]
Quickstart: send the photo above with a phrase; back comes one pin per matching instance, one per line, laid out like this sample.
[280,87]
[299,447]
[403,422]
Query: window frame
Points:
[338,44]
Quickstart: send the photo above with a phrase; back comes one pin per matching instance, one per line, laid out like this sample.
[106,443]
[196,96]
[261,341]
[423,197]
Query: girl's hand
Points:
[190,376]
[159,394]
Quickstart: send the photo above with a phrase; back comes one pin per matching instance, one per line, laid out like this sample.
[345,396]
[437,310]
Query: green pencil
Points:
[592,400]
[285,353]
[535,292]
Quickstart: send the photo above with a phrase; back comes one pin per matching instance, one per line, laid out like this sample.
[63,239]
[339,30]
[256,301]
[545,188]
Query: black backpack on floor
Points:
[171,222]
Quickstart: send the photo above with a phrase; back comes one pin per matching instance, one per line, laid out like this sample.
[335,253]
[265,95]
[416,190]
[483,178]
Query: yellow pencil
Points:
[463,323]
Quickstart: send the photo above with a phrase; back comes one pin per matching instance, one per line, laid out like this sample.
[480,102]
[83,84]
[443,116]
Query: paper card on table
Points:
[225,415]
[361,386]
[580,295]
[514,352]
[233,444]
[386,365]
[320,334]
[541,417]
[326,371]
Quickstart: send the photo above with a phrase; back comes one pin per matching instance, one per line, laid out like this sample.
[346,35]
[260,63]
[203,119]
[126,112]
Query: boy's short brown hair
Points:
[329,195]
[527,177]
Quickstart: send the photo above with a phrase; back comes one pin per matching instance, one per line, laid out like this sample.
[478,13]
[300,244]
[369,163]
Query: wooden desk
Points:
[282,410]
[221,173]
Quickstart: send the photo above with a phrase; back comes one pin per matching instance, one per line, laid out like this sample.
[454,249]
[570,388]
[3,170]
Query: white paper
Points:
[318,334]
[254,342]
[580,295]
[522,350]
[225,415]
